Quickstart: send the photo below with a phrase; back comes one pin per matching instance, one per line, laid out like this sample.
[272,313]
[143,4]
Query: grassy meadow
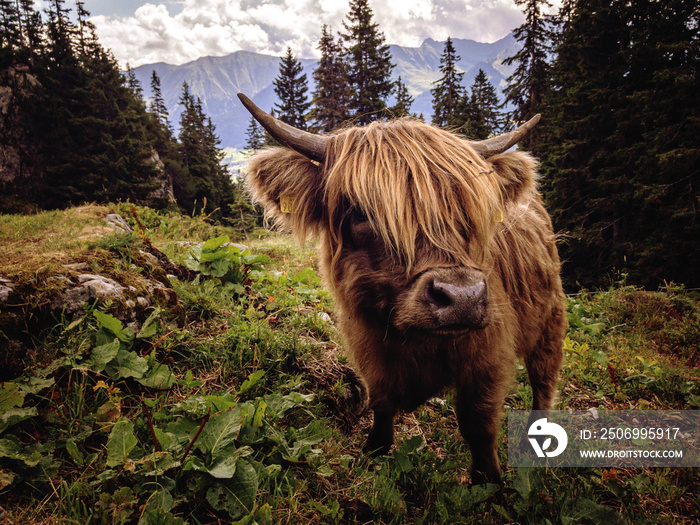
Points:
[235,404]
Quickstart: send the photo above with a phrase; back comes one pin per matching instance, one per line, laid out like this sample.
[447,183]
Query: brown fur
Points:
[399,207]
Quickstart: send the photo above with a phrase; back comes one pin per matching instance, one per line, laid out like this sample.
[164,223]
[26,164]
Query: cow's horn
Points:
[308,144]
[495,145]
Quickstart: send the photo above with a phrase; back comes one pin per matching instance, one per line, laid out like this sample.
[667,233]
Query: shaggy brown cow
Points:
[441,258]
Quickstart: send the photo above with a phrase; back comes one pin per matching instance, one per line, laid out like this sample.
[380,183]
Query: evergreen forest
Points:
[76,129]
[616,83]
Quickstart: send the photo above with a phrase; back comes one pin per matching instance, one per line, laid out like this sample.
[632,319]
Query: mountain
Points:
[217,80]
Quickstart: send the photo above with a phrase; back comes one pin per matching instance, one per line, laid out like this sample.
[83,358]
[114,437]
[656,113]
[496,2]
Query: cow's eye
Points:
[359,216]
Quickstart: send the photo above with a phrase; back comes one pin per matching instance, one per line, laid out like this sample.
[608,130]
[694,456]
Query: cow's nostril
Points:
[439,294]
[457,304]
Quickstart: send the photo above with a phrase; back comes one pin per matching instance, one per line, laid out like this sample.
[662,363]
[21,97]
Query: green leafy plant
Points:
[234,266]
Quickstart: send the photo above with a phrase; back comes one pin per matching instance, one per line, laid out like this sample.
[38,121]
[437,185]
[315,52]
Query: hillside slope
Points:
[229,400]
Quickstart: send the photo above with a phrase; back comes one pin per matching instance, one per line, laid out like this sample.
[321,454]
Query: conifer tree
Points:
[132,82]
[208,181]
[118,138]
[95,143]
[448,92]
[57,111]
[470,118]
[167,146]
[157,106]
[83,24]
[291,88]
[255,135]
[528,84]
[369,63]
[59,32]
[31,25]
[485,100]
[244,215]
[402,108]
[332,95]
[10,27]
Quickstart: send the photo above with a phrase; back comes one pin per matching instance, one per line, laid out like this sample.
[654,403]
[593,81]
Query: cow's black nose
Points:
[458,305]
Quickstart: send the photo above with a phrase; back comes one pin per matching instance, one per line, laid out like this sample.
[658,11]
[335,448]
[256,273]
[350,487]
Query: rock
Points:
[91,287]
[149,257]
[117,221]
[187,244]
[5,289]
[60,279]
[160,292]
[241,247]
[164,192]
[143,302]
[71,299]
[101,287]
[77,266]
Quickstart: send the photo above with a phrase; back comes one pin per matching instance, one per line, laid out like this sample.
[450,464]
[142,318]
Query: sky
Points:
[178,31]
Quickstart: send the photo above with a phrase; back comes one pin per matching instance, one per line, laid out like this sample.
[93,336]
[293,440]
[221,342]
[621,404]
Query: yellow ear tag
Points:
[286,204]
[499,216]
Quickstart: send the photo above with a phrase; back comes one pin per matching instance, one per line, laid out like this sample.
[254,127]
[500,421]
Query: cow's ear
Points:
[289,187]
[516,173]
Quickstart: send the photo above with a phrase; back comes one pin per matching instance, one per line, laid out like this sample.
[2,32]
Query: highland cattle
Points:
[440,256]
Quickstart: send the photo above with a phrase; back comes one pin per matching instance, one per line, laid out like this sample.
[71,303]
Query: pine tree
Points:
[369,64]
[57,111]
[404,100]
[189,126]
[59,30]
[83,24]
[16,148]
[157,106]
[31,25]
[469,118]
[291,88]
[132,82]
[448,92]
[244,215]
[332,95]
[255,136]
[10,28]
[529,83]
[167,146]
[485,100]
[120,141]
[207,180]
[587,194]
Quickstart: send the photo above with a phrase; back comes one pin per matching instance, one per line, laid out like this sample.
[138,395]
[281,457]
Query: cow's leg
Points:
[381,437]
[544,362]
[479,421]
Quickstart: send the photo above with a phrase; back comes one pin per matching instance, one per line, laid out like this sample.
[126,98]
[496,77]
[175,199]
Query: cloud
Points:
[220,27]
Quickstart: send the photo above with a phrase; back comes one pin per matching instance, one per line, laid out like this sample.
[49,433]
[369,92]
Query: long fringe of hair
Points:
[413,180]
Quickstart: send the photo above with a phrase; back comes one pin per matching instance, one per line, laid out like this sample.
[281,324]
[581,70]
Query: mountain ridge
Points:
[217,79]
